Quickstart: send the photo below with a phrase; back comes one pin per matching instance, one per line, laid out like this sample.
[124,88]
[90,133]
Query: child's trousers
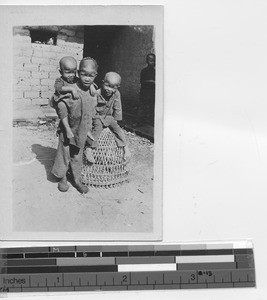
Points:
[68,155]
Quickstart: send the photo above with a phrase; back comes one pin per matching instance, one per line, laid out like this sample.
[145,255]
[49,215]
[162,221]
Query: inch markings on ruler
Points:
[133,267]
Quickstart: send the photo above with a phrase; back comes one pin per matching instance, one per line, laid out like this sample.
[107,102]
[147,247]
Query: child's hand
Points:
[89,134]
[101,99]
[70,135]
[75,94]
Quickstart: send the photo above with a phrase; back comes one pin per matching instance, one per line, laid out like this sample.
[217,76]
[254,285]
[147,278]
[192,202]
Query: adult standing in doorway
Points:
[147,92]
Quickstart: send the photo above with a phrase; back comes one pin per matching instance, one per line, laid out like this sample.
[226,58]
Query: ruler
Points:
[126,267]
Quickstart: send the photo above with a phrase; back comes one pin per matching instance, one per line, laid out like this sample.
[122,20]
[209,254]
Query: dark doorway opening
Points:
[121,49]
[98,42]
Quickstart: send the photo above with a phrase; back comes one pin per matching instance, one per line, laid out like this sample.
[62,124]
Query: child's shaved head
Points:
[88,62]
[68,68]
[113,78]
[111,83]
[67,62]
[87,71]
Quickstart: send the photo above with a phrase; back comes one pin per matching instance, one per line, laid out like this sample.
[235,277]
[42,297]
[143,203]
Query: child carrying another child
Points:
[75,101]
[108,112]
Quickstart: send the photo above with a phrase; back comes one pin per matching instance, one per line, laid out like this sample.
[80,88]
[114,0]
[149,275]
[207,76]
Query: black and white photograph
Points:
[87,122]
[133,149]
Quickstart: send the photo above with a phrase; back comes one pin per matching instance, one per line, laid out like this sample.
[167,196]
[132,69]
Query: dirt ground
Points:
[39,206]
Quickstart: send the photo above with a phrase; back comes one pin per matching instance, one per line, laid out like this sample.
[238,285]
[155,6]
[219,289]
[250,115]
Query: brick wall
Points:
[122,49]
[36,64]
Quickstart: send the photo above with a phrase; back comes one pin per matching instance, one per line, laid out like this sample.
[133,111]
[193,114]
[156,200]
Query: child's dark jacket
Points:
[110,109]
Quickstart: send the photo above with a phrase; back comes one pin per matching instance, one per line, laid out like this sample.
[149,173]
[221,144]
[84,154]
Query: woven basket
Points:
[109,169]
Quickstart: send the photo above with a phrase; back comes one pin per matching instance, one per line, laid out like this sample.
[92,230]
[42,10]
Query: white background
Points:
[215,142]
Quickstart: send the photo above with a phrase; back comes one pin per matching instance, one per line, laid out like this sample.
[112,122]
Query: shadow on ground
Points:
[46,156]
[38,206]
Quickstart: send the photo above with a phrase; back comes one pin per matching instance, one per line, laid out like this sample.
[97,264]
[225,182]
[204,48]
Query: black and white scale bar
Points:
[124,267]
[112,267]
[37,255]
[127,280]
[56,269]
[241,260]
[13,253]
[120,250]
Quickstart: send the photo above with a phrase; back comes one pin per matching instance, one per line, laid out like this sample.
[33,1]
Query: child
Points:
[79,116]
[108,112]
[147,91]
[65,92]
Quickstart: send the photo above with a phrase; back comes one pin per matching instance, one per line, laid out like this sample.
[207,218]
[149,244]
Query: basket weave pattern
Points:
[109,169]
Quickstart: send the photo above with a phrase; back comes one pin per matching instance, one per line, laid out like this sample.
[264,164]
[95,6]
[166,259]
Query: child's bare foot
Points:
[127,153]
[89,155]
[63,184]
[83,189]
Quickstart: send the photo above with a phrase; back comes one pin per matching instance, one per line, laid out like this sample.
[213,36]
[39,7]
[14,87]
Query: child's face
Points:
[151,61]
[87,75]
[68,73]
[109,87]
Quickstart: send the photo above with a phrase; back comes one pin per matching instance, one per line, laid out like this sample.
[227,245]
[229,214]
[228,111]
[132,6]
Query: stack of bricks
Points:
[36,64]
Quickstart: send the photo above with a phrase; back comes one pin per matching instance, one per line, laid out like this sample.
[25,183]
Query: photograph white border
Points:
[76,15]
